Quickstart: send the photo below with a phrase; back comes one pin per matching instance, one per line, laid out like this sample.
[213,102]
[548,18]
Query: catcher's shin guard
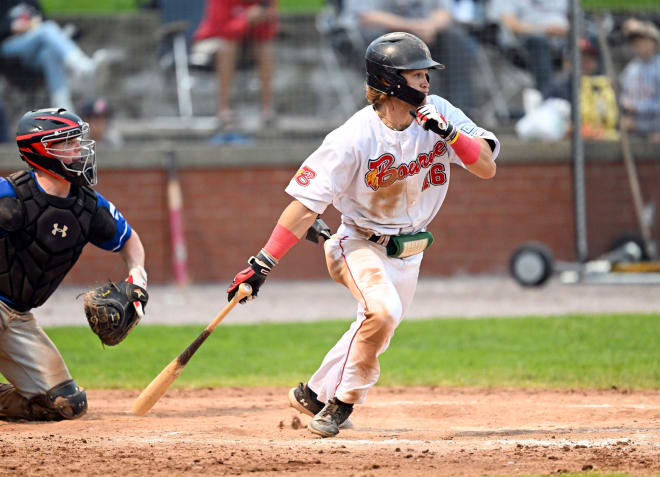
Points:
[65,401]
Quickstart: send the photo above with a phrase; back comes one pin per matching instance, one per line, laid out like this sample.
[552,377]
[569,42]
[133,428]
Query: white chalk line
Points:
[417,444]
[472,402]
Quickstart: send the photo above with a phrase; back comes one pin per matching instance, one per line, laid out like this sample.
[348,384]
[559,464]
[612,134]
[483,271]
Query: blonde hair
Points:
[374,97]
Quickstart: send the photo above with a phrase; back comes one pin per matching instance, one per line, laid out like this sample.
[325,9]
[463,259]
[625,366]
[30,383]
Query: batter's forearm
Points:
[292,224]
[297,218]
[484,167]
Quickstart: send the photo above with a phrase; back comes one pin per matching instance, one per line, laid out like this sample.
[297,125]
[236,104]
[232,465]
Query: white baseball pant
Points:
[384,288]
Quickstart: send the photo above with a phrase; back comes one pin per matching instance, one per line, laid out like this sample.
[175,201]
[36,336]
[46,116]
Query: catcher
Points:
[47,215]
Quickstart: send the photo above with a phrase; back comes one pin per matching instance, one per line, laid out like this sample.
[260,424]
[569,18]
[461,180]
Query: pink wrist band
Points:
[466,147]
[280,241]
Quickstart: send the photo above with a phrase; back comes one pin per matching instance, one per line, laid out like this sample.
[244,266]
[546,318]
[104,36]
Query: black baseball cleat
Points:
[327,422]
[303,400]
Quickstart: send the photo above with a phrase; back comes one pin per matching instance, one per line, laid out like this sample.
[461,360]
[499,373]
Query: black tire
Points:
[532,264]
[623,239]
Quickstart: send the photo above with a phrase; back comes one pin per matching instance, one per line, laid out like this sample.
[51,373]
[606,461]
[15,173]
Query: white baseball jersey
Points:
[391,182]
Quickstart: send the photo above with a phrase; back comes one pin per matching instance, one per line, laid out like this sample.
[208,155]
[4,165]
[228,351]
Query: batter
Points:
[387,170]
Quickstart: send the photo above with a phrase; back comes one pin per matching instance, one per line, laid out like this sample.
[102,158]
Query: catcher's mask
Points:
[388,55]
[55,141]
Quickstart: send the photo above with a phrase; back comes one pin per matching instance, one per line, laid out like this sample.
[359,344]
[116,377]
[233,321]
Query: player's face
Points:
[67,151]
[417,79]
[645,48]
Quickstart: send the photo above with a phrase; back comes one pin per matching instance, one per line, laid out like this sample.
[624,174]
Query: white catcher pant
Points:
[384,289]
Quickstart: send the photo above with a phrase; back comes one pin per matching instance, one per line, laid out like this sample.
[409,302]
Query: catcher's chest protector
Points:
[35,258]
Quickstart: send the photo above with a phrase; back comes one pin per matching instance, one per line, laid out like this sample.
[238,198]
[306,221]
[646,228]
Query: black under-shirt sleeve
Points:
[103,227]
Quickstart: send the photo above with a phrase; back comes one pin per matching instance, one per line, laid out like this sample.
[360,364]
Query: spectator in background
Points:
[540,27]
[598,104]
[98,114]
[640,81]
[432,22]
[232,22]
[42,45]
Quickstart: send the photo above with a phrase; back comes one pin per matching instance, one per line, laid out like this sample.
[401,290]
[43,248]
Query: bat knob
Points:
[244,290]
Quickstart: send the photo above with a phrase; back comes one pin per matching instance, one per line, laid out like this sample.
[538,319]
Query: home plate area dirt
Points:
[398,431]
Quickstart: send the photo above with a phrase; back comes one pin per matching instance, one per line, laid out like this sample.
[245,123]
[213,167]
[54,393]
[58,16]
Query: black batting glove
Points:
[428,117]
[255,275]
[318,229]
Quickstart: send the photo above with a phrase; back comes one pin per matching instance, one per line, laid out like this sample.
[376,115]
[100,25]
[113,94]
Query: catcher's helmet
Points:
[39,131]
[388,55]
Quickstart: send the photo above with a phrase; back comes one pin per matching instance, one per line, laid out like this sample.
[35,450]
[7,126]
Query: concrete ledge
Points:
[278,153]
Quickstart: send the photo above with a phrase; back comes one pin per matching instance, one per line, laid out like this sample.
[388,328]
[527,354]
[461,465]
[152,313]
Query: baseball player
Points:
[47,215]
[386,170]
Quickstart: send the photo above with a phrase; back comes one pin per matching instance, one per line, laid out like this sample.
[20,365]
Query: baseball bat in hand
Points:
[162,382]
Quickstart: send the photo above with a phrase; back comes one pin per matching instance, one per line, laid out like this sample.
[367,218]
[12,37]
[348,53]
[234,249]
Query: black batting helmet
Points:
[37,137]
[388,55]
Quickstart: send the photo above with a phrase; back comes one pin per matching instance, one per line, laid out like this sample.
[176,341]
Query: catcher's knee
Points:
[65,401]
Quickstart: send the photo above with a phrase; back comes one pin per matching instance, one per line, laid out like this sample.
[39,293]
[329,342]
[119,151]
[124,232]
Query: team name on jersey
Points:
[382,174]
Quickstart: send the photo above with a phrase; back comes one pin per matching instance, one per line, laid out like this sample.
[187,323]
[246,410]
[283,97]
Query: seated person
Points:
[432,22]
[231,22]
[540,27]
[640,81]
[597,97]
[43,45]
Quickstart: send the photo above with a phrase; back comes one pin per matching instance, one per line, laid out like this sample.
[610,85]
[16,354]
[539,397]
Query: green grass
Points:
[560,352]
[86,6]
[113,6]
[110,6]
[621,5]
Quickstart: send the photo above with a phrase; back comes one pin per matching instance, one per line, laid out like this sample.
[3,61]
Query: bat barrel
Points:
[163,381]
[157,388]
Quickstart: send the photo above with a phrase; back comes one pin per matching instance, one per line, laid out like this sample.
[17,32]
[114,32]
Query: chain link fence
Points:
[295,76]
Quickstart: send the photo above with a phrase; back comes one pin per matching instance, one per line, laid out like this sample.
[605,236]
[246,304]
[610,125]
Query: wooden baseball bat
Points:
[175,206]
[162,382]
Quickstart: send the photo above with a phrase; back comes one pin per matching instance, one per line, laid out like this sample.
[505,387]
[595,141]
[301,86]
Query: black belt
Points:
[380,239]
[384,240]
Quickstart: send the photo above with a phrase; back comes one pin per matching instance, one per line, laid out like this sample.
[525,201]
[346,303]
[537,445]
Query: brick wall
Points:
[230,212]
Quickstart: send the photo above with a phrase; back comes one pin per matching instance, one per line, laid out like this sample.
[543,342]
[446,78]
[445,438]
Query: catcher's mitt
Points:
[110,310]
